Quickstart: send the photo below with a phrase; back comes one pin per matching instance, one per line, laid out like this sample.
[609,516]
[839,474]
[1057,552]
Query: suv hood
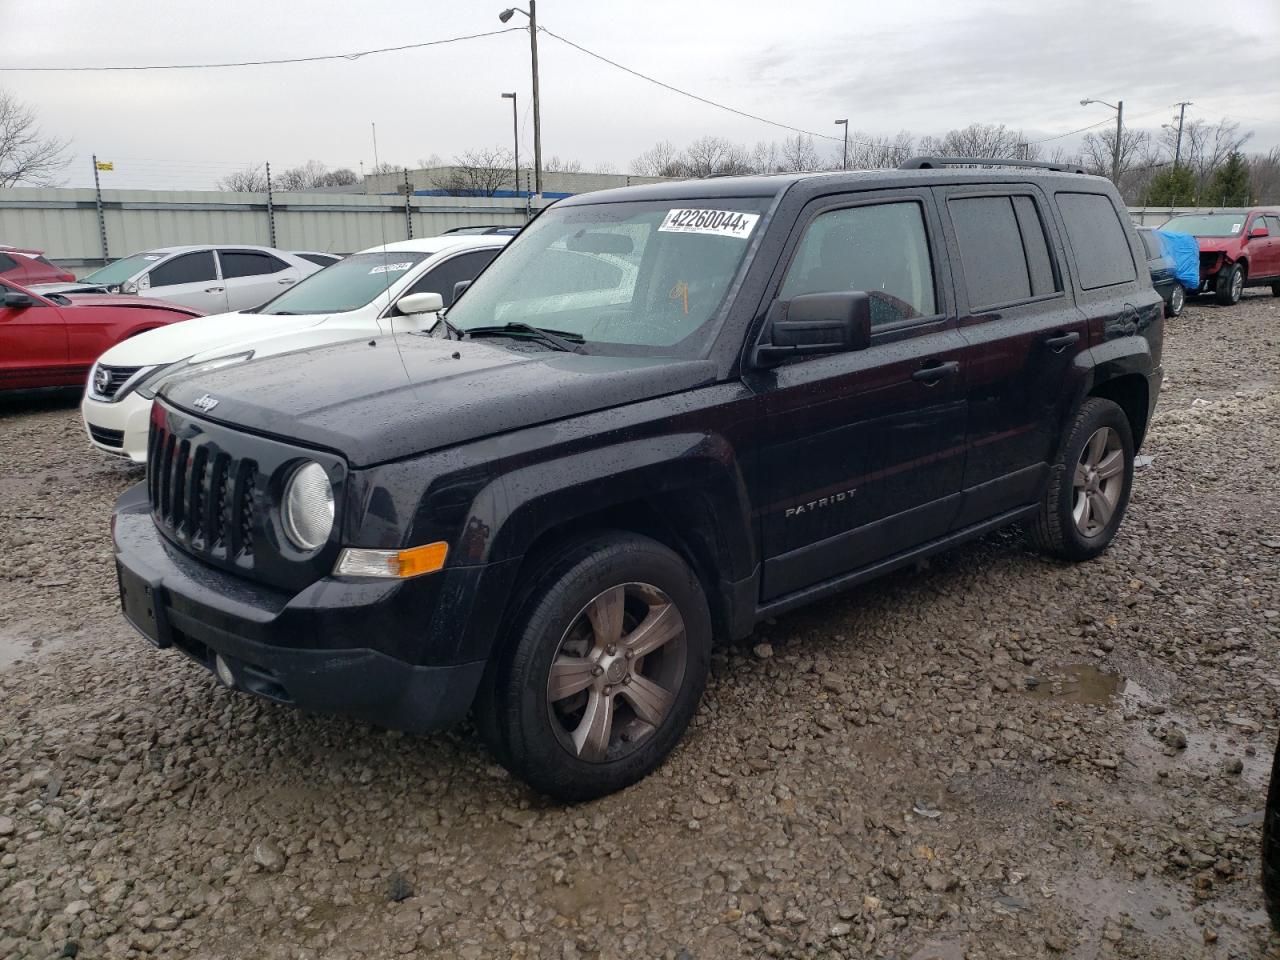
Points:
[221,333]
[378,400]
[1217,244]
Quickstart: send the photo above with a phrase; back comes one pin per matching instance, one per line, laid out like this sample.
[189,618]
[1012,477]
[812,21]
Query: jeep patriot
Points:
[661,414]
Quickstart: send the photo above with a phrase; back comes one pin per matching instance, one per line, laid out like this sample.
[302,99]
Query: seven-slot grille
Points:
[202,496]
[117,377]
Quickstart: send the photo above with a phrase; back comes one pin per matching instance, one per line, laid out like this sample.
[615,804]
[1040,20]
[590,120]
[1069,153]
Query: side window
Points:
[441,278]
[882,249]
[187,268]
[1097,238]
[1152,243]
[1273,226]
[1260,221]
[248,263]
[1035,243]
[7,262]
[995,266]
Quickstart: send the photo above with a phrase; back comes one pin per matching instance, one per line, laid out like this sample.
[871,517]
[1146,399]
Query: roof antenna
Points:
[386,271]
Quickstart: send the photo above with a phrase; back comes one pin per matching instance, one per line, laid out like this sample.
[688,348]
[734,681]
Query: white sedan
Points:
[397,287]
[213,278]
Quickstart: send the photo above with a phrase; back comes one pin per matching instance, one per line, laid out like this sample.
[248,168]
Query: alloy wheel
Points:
[1237,285]
[1177,300]
[1098,481]
[616,672]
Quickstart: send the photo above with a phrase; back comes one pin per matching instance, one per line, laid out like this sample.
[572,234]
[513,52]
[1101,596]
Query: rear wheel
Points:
[1177,300]
[1088,489]
[1230,285]
[1275,289]
[608,663]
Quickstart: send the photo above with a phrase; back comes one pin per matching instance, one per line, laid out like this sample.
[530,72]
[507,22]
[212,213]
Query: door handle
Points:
[213,289]
[1061,341]
[939,371]
[284,281]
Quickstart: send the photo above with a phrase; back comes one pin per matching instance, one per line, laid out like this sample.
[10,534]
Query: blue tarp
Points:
[1183,249]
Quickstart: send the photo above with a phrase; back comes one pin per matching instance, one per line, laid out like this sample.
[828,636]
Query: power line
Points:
[686,93]
[263,63]
[1071,133]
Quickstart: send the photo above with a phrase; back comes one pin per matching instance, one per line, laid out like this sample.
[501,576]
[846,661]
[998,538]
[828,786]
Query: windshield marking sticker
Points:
[391,268]
[1235,227]
[718,223]
[154,256]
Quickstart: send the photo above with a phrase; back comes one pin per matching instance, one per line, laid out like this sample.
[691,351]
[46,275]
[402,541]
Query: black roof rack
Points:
[933,163]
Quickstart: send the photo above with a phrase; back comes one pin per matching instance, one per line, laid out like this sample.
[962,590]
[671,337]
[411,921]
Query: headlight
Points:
[150,385]
[308,507]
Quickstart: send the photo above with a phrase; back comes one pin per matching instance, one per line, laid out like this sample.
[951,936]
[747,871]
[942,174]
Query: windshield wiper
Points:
[449,327]
[560,339]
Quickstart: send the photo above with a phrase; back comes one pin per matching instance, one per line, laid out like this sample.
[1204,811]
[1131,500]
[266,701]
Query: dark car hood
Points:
[384,399]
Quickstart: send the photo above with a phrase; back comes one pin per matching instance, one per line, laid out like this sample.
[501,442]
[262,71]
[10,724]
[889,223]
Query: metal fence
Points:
[1154,216]
[65,224]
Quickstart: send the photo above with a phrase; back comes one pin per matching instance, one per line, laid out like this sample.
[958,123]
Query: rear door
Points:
[1264,252]
[1023,334]
[33,346]
[190,279]
[865,450]
[252,277]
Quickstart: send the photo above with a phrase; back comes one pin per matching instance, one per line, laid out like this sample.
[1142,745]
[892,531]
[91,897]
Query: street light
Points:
[515,135]
[844,157]
[532,14]
[1118,107]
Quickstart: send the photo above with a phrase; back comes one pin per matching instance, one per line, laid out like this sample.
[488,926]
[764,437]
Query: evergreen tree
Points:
[1175,187]
[1229,184]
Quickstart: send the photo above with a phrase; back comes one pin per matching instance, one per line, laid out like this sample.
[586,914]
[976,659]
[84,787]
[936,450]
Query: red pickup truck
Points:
[1237,250]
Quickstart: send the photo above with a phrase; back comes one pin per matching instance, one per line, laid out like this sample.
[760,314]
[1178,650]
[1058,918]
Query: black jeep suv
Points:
[663,413]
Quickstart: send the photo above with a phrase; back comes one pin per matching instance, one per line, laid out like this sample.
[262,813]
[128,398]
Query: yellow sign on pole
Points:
[106,165]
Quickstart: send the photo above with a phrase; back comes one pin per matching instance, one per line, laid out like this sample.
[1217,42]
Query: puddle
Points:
[1083,683]
[18,645]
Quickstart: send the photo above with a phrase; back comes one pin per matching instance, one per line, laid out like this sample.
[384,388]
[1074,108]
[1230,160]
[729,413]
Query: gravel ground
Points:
[993,755]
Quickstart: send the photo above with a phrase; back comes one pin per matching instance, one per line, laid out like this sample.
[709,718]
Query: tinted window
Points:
[440,279]
[1152,243]
[187,268]
[1273,226]
[881,249]
[320,259]
[7,262]
[1035,244]
[248,263]
[995,268]
[1097,238]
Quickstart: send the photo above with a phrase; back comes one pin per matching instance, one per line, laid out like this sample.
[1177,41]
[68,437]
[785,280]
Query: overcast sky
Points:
[920,65]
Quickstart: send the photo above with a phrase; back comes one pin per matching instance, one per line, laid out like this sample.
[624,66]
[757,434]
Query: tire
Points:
[1230,286]
[1271,845]
[1177,300]
[1057,529]
[1275,289]
[581,610]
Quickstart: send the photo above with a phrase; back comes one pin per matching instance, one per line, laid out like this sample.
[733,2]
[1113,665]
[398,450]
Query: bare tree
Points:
[476,173]
[989,141]
[300,178]
[1264,175]
[556,165]
[26,154]
[660,160]
[877,153]
[342,177]
[252,179]
[714,156]
[435,160]
[1206,146]
[1097,153]
[798,154]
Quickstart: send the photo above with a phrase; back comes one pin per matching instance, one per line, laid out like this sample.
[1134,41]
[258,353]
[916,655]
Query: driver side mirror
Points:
[815,323]
[18,301]
[420,303]
[1258,231]
[459,287]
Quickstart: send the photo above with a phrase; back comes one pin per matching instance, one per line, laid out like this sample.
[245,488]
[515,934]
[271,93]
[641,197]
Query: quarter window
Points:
[882,249]
[1152,243]
[248,263]
[1097,239]
[188,268]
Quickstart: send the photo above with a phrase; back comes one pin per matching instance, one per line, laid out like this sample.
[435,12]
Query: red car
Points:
[52,341]
[30,266]
[1237,250]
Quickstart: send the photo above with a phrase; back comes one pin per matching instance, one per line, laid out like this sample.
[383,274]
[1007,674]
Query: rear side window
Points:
[187,268]
[1035,243]
[248,263]
[441,278]
[7,262]
[881,249]
[995,268]
[1152,243]
[319,259]
[1273,225]
[1097,239]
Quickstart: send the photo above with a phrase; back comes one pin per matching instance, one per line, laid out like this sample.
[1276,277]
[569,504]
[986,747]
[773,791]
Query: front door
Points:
[1023,335]
[190,279]
[865,449]
[33,346]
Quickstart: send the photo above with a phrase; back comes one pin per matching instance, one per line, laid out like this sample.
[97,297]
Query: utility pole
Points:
[1177,150]
[515,137]
[102,220]
[532,14]
[844,157]
[408,209]
[1115,156]
[271,210]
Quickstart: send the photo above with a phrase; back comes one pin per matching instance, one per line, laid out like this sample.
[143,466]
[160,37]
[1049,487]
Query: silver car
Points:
[214,278]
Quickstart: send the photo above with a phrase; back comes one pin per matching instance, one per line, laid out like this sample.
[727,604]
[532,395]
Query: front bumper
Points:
[298,649]
[120,427]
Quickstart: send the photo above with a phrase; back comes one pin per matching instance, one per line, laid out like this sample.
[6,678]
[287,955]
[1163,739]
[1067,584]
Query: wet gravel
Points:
[993,755]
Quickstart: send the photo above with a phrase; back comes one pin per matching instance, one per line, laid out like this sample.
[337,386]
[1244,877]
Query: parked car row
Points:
[1237,250]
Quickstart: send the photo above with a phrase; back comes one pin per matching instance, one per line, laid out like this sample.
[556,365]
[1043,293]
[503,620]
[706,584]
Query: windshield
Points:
[346,285]
[1207,224]
[122,270]
[638,278]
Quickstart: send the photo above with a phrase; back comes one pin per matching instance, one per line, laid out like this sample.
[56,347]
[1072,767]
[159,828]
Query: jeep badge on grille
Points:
[205,403]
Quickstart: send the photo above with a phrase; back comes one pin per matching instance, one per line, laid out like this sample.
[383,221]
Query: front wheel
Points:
[1275,289]
[1088,489]
[1230,286]
[1177,300]
[608,663]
